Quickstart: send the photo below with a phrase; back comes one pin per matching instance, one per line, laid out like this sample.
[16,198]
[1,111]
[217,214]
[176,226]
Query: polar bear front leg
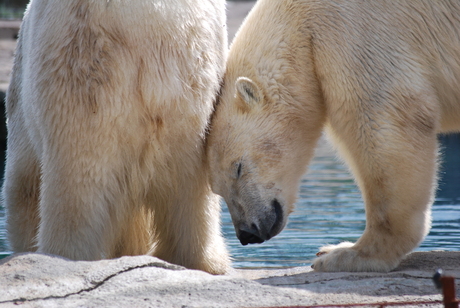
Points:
[396,171]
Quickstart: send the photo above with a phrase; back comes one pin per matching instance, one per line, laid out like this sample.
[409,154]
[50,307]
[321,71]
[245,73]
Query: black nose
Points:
[250,236]
[266,229]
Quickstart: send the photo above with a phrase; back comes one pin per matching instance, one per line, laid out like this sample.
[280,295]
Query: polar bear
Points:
[107,110]
[382,78]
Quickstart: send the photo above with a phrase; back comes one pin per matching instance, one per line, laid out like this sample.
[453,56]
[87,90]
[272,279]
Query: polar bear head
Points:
[257,155]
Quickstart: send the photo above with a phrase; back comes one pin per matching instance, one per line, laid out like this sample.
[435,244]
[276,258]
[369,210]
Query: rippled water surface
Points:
[330,210]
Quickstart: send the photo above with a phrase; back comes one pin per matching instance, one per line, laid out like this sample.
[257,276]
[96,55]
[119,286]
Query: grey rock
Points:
[38,280]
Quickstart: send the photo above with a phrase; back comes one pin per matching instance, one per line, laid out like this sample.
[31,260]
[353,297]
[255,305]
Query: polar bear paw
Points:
[346,258]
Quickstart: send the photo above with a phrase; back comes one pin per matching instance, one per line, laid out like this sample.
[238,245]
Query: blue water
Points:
[330,210]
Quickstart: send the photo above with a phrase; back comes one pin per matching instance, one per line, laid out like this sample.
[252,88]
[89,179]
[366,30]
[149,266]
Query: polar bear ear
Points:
[248,91]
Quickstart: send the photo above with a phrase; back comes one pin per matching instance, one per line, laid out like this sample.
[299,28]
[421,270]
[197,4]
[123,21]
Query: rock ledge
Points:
[38,280]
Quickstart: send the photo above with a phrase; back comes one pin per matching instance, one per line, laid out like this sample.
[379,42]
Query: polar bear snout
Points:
[269,225]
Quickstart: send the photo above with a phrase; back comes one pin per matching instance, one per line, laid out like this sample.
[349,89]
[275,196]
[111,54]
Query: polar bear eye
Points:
[238,171]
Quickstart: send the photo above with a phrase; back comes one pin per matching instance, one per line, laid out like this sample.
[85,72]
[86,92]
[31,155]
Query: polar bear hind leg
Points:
[22,172]
[187,227]
[21,193]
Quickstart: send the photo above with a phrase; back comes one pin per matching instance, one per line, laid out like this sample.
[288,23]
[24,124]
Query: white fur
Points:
[107,112]
[380,76]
